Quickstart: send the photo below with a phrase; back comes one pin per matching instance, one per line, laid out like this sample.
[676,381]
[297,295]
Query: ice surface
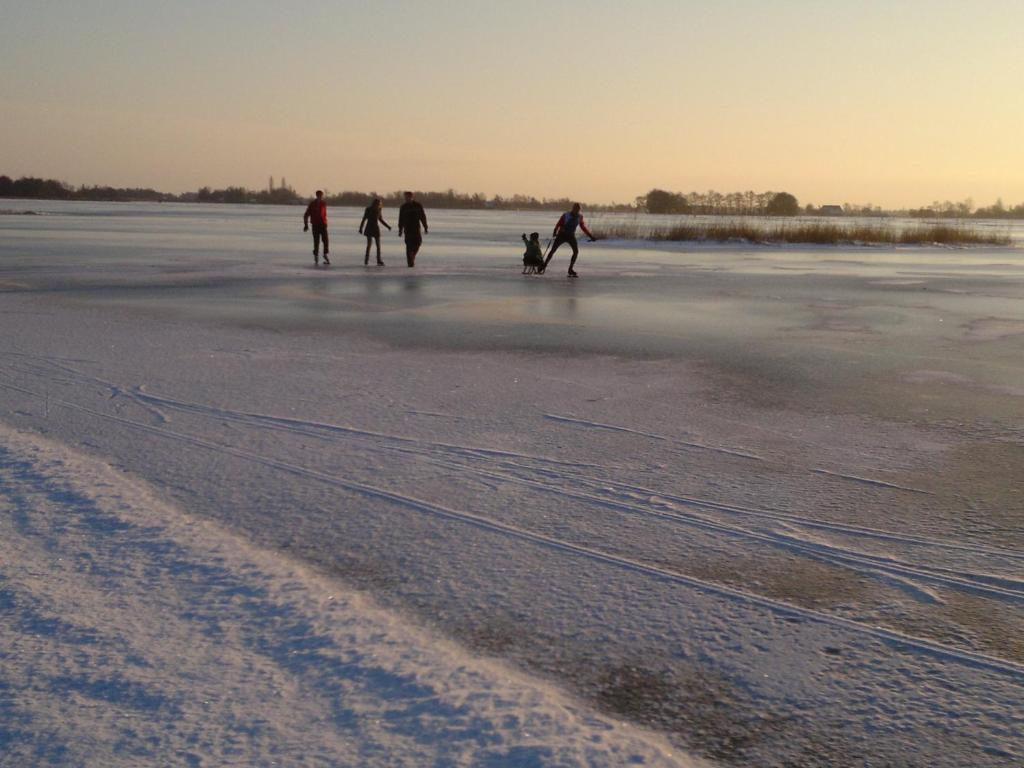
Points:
[763,500]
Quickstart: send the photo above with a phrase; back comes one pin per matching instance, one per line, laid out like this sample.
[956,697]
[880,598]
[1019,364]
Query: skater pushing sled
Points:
[565,232]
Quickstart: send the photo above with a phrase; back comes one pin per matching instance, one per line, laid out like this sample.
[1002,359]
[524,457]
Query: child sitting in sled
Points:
[533,259]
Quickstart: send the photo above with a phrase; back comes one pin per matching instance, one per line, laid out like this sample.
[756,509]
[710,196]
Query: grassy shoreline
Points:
[803,233]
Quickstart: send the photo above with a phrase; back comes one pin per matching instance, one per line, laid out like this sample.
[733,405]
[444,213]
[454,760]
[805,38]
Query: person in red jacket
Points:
[316,212]
[565,232]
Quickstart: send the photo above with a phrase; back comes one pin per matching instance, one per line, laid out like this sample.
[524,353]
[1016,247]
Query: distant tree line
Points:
[51,189]
[710,203]
[452,199]
[717,204]
[276,196]
[966,209]
[31,188]
[937,210]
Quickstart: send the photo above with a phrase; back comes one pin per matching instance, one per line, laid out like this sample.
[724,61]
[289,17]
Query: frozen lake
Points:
[811,322]
[762,501]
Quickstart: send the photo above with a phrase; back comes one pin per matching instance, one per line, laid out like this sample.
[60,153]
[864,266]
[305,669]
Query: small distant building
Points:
[831,210]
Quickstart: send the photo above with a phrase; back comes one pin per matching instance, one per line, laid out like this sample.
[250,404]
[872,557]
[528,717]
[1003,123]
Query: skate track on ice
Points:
[921,567]
[613,495]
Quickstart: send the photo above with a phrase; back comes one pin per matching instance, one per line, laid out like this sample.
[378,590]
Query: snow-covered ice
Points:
[758,505]
[135,634]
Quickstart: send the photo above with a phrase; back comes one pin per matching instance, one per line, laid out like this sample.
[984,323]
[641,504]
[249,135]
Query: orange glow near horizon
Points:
[897,106]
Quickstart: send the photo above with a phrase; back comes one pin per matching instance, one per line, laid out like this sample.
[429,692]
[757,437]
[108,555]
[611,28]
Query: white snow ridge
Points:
[134,634]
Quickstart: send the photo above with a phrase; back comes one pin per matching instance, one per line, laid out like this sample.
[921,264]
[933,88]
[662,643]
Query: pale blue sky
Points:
[898,103]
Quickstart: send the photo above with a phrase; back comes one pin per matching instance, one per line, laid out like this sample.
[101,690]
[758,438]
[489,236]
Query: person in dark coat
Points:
[410,216]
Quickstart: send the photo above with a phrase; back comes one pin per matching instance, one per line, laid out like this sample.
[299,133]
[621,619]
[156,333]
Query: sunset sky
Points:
[897,103]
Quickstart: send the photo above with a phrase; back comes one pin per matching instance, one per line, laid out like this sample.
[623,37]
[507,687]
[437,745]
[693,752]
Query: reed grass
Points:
[812,233]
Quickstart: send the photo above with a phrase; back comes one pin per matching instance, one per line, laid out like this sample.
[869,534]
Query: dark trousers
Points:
[320,233]
[413,241]
[571,240]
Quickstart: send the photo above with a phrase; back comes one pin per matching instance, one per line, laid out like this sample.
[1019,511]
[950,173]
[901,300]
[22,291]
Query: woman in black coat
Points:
[369,227]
